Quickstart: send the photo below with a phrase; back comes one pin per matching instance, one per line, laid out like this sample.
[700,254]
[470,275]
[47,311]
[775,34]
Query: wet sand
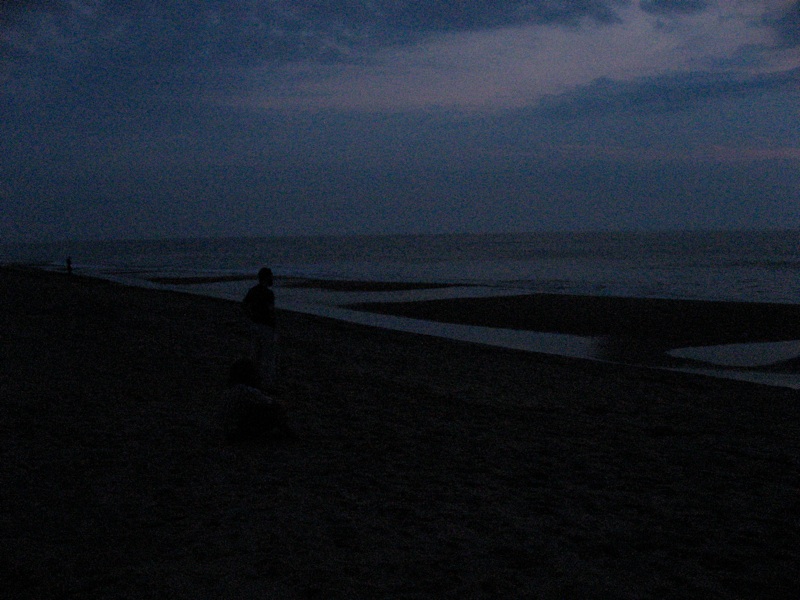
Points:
[426,468]
[634,330]
[337,285]
[345,285]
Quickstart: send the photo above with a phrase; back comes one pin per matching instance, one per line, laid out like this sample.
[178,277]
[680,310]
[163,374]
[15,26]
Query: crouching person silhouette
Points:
[249,414]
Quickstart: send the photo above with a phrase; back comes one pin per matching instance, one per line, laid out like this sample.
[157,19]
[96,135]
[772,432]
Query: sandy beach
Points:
[425,468]
[633,330]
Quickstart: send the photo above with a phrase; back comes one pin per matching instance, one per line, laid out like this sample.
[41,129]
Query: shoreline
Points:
[677,322]
[334,285]
[741,340]
[425,467]
[729,337]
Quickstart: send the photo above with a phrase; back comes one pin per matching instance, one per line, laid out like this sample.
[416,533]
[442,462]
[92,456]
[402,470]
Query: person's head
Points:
[245,372]
[265,276]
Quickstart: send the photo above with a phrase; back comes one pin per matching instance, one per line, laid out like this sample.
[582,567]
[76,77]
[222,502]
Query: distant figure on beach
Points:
[249,414]
[259,306]
[69,265]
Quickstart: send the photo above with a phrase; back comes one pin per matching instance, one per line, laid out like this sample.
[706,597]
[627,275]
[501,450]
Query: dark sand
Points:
[426,468]
[634,330]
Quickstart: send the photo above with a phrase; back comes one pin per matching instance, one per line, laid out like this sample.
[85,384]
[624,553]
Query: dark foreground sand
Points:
[425,469]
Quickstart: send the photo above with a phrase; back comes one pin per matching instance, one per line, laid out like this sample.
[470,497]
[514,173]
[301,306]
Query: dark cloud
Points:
[123,55]
[667,93]
[247,32]
[788,25]
[475,14]
[668,7]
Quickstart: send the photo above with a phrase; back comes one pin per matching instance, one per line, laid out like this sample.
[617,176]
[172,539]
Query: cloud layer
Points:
[110,49]
[136,118]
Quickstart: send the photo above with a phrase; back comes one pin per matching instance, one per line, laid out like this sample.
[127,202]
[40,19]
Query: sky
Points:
[126,119]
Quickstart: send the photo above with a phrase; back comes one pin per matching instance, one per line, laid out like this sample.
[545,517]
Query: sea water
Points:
[749,266]
[741,266]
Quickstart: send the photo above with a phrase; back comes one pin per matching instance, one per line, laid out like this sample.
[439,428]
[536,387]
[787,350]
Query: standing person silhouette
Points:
[259,306]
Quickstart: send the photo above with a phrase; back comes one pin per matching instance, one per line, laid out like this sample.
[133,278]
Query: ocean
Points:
[753,266]
[749,266]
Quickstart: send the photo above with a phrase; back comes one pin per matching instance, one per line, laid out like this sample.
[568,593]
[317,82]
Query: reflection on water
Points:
[609,349]
[626,351]
[747,357]
[742,355]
